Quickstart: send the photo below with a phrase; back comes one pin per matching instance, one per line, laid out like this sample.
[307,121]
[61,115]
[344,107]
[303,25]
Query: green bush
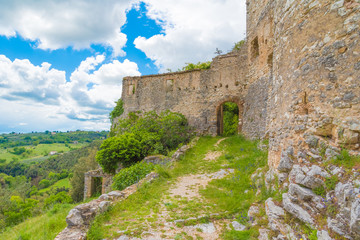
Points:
[125,149]
[131,175]
[231,118]
[60,197]
[44,183]
[160,133]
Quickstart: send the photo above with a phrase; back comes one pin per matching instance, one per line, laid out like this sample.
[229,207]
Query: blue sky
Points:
[62,63]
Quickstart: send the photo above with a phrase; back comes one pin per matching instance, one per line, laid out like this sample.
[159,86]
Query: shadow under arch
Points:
[220,113]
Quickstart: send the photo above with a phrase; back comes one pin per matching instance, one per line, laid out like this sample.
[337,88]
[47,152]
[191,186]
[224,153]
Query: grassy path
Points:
[198,198]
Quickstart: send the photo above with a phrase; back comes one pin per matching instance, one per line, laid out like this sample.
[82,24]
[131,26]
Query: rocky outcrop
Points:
[324,196]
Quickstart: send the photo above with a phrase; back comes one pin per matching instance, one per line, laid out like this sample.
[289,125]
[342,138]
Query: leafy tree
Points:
[117,111]
[125,149]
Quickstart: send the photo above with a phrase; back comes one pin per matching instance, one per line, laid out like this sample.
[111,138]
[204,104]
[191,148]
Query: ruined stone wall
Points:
[260,42]
[197,94]
[296,76]
[315,88]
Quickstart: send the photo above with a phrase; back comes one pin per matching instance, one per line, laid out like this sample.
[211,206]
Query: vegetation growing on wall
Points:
[238,45]
[199,65]
[118,109]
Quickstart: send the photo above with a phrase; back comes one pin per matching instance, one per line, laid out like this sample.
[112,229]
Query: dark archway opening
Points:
[228,119]
[96,186]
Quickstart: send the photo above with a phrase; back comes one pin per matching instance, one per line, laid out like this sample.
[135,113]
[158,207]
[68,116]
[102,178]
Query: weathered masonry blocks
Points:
[297,75]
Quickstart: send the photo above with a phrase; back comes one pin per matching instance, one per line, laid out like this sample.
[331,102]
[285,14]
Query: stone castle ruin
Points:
[297,75]
[296,82]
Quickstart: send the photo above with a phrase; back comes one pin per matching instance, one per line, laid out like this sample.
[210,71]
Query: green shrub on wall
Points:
[131,175]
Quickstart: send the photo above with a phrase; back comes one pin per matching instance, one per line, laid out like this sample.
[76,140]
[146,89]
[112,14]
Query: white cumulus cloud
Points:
[192,30]
[39,97]
[59,24]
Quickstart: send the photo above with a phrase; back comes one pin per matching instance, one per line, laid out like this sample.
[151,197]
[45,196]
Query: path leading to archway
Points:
[196,202]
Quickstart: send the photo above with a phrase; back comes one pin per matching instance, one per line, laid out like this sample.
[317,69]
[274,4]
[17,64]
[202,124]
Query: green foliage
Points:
[18,150]
[118,109]
[131,175]
[238,45]
[138,135]
[331,182]
[230,118]
[44,183]
[162,171]
[60,197]
[346,160]
[199,65]
[125,150]
[83,165]
[160,133]
[320,191]
[45,226]
[19,210]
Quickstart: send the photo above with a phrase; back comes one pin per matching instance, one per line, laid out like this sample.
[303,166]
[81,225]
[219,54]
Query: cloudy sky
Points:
[62,62]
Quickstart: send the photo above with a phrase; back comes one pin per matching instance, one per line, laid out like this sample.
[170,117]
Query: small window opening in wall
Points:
[265,41]
[254,48]
[270,60]
[179,89]
[227,86]
[220,85]
[215,87]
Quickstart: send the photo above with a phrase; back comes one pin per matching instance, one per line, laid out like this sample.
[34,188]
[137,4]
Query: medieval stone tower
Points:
[297,75]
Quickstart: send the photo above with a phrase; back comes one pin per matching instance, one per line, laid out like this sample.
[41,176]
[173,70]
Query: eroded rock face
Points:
[355,216]
[309,177]
[323,235]
[296,210]
[274,213]
[74,218]
[286,161]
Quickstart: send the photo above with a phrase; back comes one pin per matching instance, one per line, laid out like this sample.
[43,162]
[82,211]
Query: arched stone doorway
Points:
[220,114]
